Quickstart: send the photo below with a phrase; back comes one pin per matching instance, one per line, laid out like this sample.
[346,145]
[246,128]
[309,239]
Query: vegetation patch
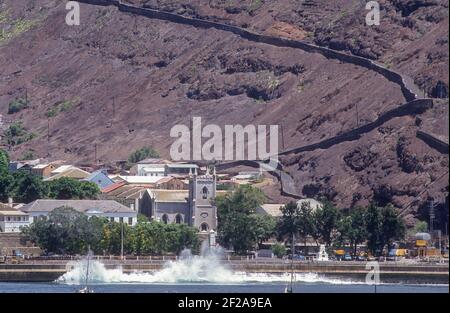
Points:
[16,27]
[17,105]
[60,107]
[16,134]
[143,153]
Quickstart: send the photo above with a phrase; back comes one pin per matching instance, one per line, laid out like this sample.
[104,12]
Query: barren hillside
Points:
[120,81]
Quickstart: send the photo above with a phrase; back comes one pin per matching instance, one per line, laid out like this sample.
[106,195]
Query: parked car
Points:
[297,257]
[361,258]
[347,257]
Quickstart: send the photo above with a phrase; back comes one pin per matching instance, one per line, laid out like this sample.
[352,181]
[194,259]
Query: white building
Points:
[151,167]
[110,209]
[12,219]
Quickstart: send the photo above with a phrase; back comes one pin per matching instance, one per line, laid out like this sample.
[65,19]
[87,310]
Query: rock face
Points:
[118,82]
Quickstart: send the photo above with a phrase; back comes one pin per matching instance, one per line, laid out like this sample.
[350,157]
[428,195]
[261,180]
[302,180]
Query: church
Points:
[193,207]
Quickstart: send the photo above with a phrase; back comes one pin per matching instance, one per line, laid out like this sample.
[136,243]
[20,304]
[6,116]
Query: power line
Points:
[420,193]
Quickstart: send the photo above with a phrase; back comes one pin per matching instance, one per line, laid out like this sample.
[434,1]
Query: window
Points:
[165,219]
[178,219]
[121,219]
[204,227]
[111,219]
[130,221]
[205,193]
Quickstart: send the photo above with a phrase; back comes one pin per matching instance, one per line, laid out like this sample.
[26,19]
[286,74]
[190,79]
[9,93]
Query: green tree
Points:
[65,231]
[373,220]
[69,188]
[392,227]
[236,218]
[352,228]
[5,177]
[4,162]
[143,153]
[326,219]
[5,186]
[26,187]
[306,225]
[383,226]
[420,227]
[264,227]
[279,250]
[289,223]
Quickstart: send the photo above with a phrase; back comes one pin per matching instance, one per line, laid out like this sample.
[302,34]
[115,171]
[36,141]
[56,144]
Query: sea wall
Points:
[429,273]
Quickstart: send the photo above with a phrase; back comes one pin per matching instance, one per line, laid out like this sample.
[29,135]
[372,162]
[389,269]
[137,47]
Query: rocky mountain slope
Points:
[120,81]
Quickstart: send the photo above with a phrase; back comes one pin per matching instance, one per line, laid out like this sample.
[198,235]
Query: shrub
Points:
[279,250]
[16,134]
[16,106]
[143,153]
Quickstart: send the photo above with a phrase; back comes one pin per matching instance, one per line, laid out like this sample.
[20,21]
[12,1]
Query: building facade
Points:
[11,220]
[193,207]
[109,209]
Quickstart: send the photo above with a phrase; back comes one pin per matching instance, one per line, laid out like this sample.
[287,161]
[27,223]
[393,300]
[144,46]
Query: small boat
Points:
[86,288]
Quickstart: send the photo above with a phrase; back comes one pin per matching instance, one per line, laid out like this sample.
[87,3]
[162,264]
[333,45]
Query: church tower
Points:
[202,191]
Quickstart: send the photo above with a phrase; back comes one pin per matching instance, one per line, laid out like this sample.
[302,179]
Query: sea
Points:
[204,274]
[257,288]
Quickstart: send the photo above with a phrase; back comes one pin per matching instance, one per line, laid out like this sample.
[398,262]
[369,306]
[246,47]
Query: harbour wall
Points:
[388,273]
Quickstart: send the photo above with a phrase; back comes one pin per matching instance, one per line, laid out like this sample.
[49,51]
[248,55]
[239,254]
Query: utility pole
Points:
[26,97]
[95,154]
[432,215]
[114,108]
[48,136]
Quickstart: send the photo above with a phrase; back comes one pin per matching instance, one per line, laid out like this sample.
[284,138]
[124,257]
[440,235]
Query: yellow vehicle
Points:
[16,260]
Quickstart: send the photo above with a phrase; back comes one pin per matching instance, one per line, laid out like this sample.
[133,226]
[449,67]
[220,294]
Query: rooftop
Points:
[7,210]
[154,161]
[48,205]
[139,179]
[270,209]
[182,165]
[62,168]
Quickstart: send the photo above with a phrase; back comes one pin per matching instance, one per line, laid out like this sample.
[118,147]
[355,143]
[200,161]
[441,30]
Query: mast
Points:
[121,242]
[292,262]
[87,267]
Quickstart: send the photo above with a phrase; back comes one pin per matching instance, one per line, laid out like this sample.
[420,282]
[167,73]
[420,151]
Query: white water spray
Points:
[189,268]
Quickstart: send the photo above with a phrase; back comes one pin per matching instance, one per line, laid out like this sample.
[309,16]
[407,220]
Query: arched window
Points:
[205,193]
[178,219]
[204,227]
[165,219]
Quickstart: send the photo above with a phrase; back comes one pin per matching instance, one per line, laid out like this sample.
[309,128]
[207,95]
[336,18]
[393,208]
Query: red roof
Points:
[113,187]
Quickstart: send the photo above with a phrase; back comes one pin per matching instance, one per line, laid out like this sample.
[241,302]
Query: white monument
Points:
[323,255]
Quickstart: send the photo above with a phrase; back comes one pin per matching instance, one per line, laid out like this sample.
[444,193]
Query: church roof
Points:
[162,195]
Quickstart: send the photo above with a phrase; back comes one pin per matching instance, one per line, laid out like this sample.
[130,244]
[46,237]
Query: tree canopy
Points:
[142,153]
[67,231]
[239,226]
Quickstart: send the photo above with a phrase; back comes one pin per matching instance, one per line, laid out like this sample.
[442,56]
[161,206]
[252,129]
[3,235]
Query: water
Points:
[318,287]
[202,274]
